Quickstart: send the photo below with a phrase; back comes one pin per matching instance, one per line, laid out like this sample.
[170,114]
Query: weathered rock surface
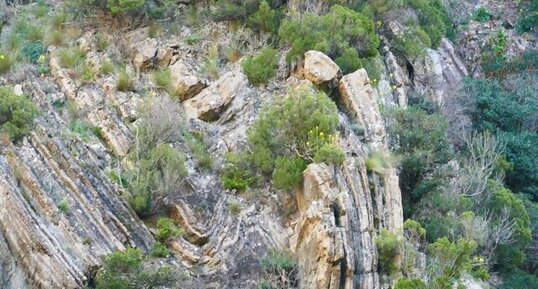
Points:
[319,68]
[359,100]
[56,217]
[213,100]
[185,82]
[438,74]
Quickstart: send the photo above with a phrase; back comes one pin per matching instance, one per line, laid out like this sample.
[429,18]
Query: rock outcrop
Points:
[185,83]
[56,217]
[319,68]
[342,208]
[213,100]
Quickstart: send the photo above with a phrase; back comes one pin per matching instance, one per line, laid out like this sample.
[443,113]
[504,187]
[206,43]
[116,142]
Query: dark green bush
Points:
[482,15]
[266,19]
[333,33]
[114,6]
[16,113]
[297,125]
[280,270]
[528,21]
[520,279]
[433,18]
[420,139]
[32,51]
[262,67]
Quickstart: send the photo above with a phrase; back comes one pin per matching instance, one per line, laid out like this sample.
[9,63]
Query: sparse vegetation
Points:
[124,80]
[280,270]
[162,77]
[127,270]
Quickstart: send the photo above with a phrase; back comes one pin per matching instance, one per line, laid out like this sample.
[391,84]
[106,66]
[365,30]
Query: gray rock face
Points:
[439,73]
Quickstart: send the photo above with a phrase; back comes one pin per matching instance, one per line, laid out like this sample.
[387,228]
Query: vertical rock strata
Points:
[342,207]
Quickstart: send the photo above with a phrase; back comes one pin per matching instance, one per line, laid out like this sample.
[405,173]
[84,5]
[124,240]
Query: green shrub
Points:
[449,260]
[520,279]
[482,15]
[120,6]
[433,19]
[237,172]
[376,162]
[167,229]
[288,172]
[329,154]
[262,67]
[296,125]
[409,283]
[333,33]
[159,250]
[63,206]
[107,67]
[192,39]
[280,270]
[235,208]
[101,42]
[158,173]
[388,248]
[16,113]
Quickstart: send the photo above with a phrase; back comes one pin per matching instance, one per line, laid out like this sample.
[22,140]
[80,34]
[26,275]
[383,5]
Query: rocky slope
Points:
[60,213]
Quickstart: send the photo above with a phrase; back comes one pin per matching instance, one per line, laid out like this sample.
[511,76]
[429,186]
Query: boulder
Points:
[184,81]
[319,68]
[209,103]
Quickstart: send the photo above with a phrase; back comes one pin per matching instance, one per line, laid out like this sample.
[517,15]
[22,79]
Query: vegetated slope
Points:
[264,158]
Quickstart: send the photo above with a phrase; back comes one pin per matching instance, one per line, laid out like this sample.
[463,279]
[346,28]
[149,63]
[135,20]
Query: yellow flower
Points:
[153,93]
[41,58]
[321,134]
[307,143]
[2,56]
[393,87]
[378,23]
